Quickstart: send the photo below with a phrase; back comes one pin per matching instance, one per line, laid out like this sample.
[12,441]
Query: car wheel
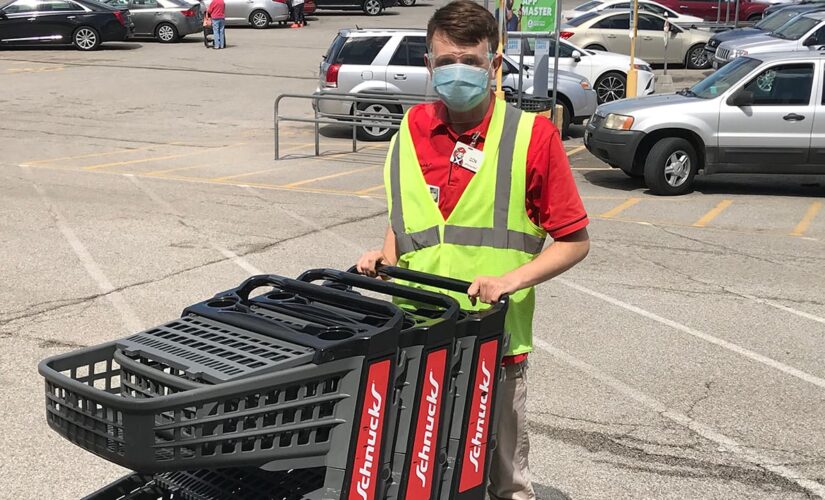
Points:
[596,46]
[611,87]
[755,18]
[671,166]
[377,131]
[86,38]
[166,33]
[697,57]
[407,3]
[373,7]
[259,19]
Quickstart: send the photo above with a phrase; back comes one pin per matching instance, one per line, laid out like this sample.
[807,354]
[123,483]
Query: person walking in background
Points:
[298,10]
[216,13]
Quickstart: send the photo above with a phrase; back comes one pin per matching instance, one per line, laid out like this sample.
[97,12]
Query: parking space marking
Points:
[576,150]
[331,176]
[703,430]
[713,213]
[807,219]
[613,212]
[730,346]
[160,158]
[159,173]
[93,155]
[370,189]
[45,69]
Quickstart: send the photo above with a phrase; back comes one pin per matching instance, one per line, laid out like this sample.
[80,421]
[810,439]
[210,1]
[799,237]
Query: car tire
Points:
[86,38]
[373,7]
[611,86]
[566,117]
[697,57]
[595,46]
[406,3]
[259,19]
[166,33]
[671,166]
[755,18]
[376,133]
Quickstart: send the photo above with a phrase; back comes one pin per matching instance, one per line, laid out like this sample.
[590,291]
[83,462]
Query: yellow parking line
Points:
[713,213]
[331,176]
[159,158]
[575,150]
[620,208]
[370,189]
[93,155]
[178,169]
[809,217]
[247,174]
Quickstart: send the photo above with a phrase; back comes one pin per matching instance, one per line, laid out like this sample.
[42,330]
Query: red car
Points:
[709,9]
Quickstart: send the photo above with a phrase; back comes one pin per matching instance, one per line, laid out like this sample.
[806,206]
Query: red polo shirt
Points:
[553,201]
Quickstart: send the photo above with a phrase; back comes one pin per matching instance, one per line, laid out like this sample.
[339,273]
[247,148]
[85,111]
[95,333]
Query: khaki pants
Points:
[510,468]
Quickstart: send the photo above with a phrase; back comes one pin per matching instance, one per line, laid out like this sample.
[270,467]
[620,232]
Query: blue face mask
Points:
[460,86]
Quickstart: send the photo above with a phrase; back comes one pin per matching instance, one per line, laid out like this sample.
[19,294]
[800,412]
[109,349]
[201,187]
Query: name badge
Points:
[466,156]
[435,192]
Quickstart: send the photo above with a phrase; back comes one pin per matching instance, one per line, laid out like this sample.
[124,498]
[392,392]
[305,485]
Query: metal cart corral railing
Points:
[354,120]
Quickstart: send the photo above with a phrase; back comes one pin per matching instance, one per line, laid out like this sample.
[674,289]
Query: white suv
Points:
[803,32]
[391,61]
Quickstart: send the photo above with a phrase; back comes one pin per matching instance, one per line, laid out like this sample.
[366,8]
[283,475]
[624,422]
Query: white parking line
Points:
[759,358]
[699,428]
[785,308]
[127,314]
[229,254]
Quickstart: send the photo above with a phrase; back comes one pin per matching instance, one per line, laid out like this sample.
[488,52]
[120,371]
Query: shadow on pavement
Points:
[549,493]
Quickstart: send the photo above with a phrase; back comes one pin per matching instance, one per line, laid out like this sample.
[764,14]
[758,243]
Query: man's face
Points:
[444,52]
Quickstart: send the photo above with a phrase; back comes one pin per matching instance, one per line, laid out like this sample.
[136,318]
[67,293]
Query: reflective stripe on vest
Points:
[499,236]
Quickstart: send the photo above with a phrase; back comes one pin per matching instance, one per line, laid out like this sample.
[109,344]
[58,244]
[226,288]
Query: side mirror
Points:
[810,41]
[741,98]
[576,55]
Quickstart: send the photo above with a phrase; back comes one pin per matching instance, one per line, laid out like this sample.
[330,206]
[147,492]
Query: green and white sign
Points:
[538,15]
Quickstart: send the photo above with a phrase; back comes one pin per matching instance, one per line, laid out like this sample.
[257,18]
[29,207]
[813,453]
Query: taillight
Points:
[566,34]
[332,76]
[120,18]
[279,1]
[188,12]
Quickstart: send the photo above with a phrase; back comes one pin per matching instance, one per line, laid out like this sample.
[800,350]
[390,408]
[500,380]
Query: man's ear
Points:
[428,63]
[497,60]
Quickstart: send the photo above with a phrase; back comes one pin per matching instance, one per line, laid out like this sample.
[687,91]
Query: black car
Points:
[771,22]
[85,24]
[370,7]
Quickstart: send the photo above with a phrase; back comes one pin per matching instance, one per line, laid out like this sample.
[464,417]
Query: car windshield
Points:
[719,82]
[587,6]
[776,20]
[796,28]
[583,19]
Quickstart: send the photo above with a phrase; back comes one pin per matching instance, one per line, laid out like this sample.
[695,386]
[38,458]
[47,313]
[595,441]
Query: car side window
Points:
[410,52]
[820,36]
[361,50]
[656,9]
[619,22]
[145,4]
[651,23]
[58,6]
[21,6]
[623,5]
[118,3]
[788,84]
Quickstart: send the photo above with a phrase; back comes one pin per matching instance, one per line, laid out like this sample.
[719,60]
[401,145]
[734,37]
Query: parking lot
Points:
[681,359]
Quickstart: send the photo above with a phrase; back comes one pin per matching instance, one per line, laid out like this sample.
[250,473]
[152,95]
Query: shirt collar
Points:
[441,118]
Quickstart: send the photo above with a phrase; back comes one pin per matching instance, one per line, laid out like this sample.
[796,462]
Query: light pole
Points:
[632,76]
[502,24]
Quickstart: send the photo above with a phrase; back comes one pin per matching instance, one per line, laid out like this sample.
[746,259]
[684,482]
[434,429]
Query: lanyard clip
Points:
[474,139]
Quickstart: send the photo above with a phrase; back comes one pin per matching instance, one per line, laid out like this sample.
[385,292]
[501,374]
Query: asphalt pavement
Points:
[682,359]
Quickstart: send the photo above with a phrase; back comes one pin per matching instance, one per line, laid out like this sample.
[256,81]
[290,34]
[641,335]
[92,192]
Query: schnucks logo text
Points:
[475,442]
[368,446]
[425,447]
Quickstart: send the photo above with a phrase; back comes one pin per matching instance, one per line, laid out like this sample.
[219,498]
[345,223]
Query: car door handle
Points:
[647,38]
[71,17]
[611,36]
[793,117]
[399,76]
[683,7]
[31,19]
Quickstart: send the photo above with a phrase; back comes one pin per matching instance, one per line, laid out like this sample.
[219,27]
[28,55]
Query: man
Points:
[485,220]
[216,13]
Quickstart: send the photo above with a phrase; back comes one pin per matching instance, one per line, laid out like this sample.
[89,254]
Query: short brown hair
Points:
[464,23]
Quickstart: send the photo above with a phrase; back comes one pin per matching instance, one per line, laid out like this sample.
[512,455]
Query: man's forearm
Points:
[389,251]
[557,258]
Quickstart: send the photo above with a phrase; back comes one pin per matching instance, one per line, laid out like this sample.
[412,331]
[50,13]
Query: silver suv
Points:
[762,115]
[392,61]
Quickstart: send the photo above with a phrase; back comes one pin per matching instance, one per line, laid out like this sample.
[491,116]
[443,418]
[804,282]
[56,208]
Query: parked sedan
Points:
[256,13]
[607,71]
[369,7]
[607,31]
[644,6]
[771,23]
[165,20]
[804,33]
[757,115]
[81,23]
[749,10]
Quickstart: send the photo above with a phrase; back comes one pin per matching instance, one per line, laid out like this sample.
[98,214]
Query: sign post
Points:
[667,39]
[541,16]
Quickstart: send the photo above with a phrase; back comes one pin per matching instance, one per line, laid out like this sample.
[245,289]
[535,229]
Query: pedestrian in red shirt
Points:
[216,13]
[474,187]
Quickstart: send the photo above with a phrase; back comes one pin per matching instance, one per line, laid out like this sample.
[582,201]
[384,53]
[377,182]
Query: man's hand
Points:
[369,261]
[489,289]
